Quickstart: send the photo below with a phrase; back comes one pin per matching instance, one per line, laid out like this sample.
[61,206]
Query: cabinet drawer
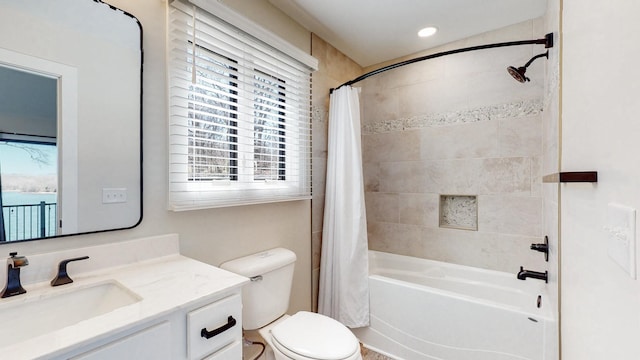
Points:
[231,352]
[221,321]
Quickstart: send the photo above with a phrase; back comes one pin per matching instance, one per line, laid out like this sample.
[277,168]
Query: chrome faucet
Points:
[13,287]
[524,274]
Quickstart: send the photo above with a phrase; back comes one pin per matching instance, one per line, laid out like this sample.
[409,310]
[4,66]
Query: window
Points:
[268,129]
[239,116]
[212,122]
[28,188]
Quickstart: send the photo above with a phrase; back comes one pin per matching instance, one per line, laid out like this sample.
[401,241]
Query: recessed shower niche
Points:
[459,212]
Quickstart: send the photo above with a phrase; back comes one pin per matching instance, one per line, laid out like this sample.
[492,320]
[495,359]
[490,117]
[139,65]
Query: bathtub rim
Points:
[545,312]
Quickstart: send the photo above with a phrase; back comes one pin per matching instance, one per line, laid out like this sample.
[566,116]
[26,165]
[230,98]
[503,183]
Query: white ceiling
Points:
[374,31]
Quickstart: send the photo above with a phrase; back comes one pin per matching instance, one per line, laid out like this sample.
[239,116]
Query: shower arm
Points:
[544,54]
[547,41]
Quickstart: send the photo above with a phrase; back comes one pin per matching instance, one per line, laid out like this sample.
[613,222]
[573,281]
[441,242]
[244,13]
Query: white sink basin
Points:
[34,314]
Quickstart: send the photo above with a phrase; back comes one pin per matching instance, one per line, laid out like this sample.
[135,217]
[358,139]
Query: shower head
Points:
[518,73]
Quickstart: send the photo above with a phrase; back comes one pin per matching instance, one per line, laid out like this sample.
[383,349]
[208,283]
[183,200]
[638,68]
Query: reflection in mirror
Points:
[70,118]
[28,154]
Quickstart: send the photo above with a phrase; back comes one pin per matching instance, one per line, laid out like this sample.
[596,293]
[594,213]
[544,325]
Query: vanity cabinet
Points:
[151,343]
[177,336]
[133,300]
[214,326]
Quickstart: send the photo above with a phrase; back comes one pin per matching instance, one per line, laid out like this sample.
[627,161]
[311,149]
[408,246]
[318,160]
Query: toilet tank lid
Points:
[260,263]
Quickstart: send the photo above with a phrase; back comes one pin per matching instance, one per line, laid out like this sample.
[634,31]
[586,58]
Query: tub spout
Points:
[524,274]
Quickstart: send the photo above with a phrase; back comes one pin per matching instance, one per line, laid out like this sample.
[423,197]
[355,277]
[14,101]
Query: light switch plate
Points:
[114,195]
[621,236]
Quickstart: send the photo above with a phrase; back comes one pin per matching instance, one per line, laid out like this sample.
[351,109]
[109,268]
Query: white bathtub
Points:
[424,309]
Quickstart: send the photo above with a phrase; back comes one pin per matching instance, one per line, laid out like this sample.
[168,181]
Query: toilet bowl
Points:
[302,336]
[307,335]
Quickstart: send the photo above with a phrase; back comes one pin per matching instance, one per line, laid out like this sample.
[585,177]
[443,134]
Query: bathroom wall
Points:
[335,69]
[600,303]
[216,235]
[458,125]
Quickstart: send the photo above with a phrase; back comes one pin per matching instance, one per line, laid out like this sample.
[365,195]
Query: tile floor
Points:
[372,355]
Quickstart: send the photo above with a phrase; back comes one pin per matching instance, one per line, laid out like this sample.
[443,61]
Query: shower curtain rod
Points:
[547,41]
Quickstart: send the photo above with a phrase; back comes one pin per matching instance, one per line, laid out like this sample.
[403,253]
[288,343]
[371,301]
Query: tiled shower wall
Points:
[458,125]
[334,69]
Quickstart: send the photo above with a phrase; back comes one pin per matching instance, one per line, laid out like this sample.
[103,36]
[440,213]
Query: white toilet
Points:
[303,336]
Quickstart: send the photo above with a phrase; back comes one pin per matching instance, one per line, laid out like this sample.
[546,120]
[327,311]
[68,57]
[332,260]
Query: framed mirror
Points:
[70,118]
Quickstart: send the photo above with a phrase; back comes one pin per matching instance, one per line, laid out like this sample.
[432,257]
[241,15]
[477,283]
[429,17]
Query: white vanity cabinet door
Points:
[224,315]
[151,343]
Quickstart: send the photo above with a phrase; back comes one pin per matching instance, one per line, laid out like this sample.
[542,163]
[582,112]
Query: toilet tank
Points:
[266,297]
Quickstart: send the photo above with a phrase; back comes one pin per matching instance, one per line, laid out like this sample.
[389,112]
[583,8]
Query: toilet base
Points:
[265,334]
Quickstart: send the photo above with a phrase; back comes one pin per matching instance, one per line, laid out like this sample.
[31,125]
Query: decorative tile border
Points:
[486,113]
[459,212]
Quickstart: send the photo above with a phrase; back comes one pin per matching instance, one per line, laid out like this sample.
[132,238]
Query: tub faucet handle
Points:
[543,248]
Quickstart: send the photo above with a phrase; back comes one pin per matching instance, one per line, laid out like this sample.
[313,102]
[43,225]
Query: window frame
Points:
[291,179]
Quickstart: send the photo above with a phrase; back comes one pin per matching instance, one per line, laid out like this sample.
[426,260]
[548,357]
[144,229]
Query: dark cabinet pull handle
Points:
[231,322]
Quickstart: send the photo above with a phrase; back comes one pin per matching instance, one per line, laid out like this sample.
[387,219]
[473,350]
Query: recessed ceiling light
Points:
[428,31]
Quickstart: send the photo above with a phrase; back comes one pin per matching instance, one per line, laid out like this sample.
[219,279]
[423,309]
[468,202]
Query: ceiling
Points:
[374,31]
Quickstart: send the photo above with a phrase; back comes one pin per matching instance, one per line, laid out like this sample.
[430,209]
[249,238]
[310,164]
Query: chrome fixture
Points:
[62,277]
[13,287]
[543,248]
[518,73]
[524,274]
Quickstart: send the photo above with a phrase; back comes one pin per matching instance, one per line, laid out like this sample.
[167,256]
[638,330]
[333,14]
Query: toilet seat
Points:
[307,335]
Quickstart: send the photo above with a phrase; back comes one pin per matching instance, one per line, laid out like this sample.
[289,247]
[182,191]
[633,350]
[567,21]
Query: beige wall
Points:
[600,303]
[212,236]
[458,125]
[274,20]
[335,69]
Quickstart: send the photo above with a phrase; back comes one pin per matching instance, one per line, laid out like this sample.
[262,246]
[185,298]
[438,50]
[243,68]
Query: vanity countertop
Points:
[163,284]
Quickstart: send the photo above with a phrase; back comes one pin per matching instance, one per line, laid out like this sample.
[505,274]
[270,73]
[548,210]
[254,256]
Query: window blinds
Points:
[239,127]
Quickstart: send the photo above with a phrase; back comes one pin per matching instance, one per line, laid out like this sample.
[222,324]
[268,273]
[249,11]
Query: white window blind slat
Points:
[239,116]
[285,102]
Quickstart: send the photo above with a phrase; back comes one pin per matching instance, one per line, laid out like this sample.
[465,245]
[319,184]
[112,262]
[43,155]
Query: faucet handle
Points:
[62,277]
[543,248]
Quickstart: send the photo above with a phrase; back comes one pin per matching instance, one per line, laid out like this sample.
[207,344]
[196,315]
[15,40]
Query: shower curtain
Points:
[344,284]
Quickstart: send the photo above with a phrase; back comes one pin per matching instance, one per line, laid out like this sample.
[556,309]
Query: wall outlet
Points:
[114,195]
[621,237]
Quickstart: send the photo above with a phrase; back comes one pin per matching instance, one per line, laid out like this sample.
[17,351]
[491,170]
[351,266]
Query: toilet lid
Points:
[315,336]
